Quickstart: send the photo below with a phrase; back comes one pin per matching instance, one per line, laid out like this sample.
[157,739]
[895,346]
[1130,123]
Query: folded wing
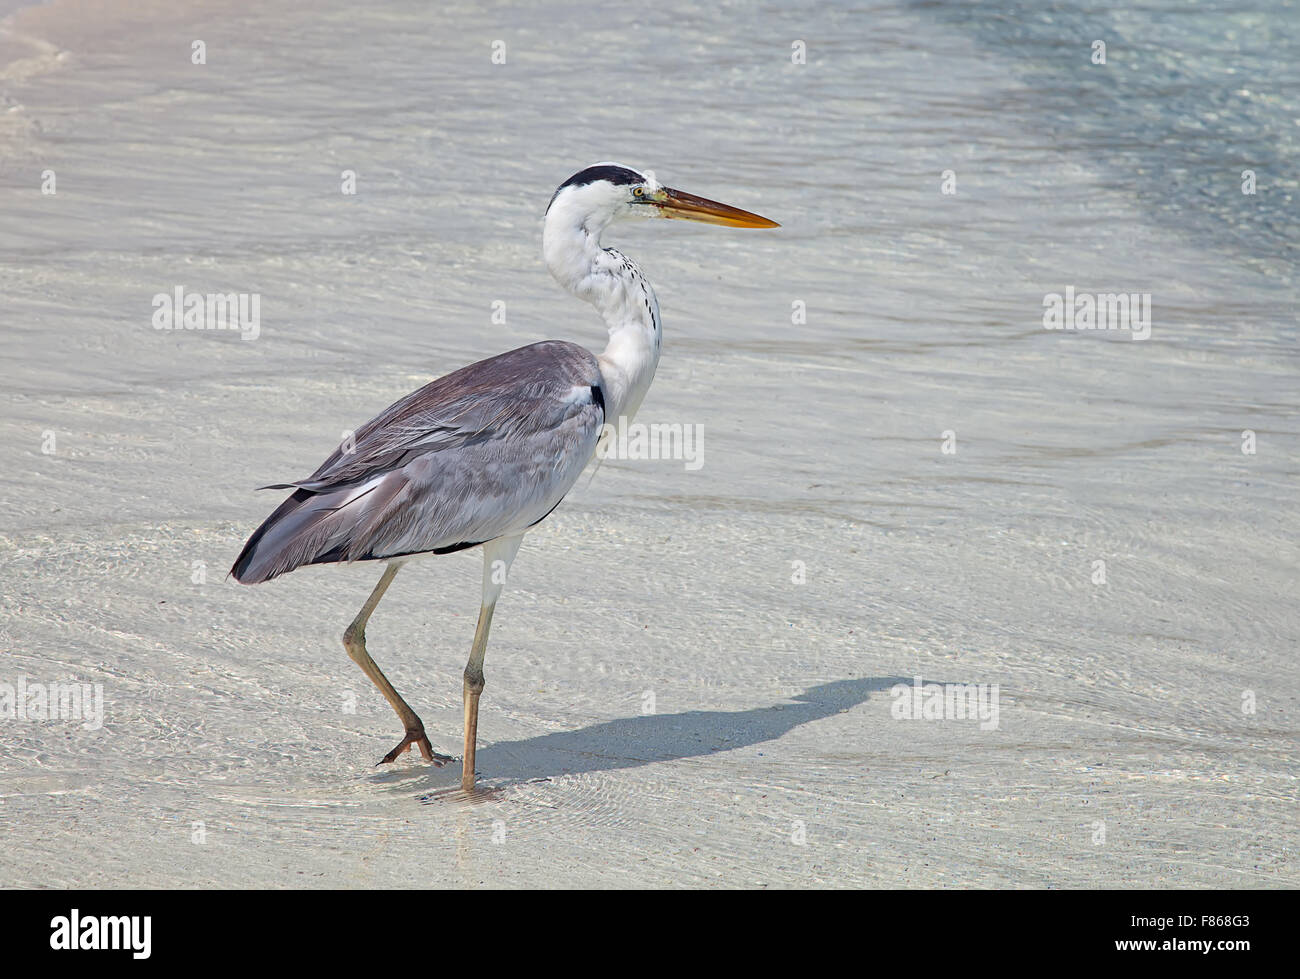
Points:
[481,453]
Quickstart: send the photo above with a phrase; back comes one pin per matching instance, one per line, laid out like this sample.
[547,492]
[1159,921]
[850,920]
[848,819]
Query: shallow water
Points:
[1121,703]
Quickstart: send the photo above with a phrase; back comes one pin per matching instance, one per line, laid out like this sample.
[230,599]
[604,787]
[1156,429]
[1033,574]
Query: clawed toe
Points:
[416,737]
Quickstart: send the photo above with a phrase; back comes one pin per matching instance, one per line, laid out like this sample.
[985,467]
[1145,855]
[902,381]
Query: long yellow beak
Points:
[687,207]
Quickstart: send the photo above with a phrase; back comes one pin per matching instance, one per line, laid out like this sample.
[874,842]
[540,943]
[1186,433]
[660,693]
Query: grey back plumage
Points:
[484,452]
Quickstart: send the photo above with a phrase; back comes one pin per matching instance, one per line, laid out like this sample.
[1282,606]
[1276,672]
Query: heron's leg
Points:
[354,641]
[497,557]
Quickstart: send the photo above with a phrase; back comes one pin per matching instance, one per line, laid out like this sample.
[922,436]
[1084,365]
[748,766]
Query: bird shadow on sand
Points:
[634,741]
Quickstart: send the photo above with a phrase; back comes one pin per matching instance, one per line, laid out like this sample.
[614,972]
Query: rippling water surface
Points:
[921,325]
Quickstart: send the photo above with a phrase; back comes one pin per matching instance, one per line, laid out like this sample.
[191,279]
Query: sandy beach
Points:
[699,676]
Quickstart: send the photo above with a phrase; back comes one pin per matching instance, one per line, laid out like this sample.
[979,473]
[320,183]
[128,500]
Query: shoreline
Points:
[911,482]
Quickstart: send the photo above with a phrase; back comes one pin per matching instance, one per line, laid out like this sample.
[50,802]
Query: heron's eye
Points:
[637,192]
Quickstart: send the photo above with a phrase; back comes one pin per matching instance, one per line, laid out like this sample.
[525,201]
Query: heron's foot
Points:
[417,737]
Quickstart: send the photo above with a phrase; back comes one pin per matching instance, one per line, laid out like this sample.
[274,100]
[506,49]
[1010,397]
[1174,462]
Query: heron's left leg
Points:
[354,641]
[497,556]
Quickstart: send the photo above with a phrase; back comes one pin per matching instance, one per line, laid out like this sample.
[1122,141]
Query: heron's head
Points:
[603,193]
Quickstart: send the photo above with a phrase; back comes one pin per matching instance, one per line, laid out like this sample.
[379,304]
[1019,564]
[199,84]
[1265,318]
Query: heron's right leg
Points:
[354,641]
[497,556]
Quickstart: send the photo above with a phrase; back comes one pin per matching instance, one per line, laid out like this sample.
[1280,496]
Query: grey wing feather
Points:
[481,453]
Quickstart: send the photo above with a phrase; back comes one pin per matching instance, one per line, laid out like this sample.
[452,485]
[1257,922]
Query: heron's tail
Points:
[268,552]
[317,526]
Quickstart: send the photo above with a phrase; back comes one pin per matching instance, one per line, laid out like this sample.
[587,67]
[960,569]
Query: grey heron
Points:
[479,456]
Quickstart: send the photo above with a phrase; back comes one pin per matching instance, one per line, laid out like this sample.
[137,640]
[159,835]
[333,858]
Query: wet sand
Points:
[689,680]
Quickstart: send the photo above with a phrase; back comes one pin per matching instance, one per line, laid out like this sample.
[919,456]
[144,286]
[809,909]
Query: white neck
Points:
[621,294]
